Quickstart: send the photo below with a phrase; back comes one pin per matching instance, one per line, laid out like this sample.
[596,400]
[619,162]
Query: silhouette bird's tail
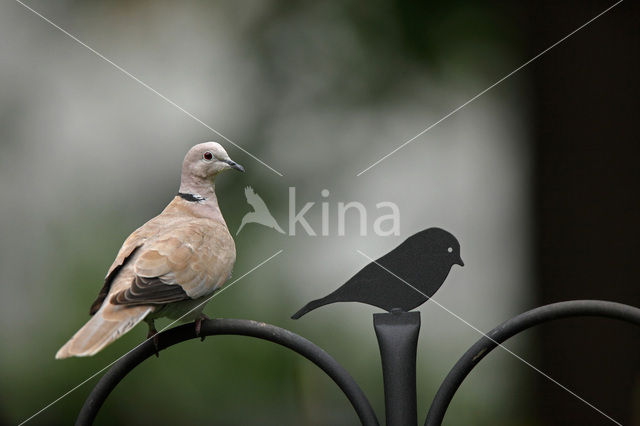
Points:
[313,305]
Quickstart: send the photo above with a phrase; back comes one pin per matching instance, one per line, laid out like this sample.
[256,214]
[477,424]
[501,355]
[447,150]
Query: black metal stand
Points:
[397,334]
[509,328]
[225,326]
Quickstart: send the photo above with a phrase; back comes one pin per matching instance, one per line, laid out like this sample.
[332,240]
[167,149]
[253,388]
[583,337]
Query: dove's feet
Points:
[199,320]
[154,333]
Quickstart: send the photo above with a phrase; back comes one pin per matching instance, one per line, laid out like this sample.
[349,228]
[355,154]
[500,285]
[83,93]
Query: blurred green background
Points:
[319,91]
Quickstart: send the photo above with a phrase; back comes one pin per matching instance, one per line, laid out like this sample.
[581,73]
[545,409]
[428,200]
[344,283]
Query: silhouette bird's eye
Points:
[207,156]
[450,249]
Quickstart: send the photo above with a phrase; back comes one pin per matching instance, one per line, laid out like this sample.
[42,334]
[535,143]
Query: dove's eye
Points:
[450,249]
[207,156]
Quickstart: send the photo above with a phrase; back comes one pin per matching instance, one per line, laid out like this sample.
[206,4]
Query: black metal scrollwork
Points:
[397,337]
[217,327]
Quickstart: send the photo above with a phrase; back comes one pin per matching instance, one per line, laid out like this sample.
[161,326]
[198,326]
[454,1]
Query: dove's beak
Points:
[459,261]
[234,165]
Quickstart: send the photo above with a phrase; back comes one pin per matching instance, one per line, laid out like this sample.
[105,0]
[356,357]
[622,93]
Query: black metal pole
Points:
[397,334]
[239,327]
[509,328]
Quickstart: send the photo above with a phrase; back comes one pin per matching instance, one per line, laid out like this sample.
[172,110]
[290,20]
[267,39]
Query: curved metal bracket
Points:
[239,327]
[509,328]
[339,375]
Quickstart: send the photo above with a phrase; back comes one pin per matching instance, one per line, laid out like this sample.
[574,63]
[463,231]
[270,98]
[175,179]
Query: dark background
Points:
[585,112]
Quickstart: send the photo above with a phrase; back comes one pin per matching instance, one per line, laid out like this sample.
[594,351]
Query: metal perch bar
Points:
[508,329]
[238,327]
[397,334]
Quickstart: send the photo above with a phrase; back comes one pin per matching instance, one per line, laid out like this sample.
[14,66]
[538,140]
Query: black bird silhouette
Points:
[423,260]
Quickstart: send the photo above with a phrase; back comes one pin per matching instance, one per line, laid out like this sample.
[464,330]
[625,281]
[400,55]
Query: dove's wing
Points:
[255,201]
[127,251]
[191,261]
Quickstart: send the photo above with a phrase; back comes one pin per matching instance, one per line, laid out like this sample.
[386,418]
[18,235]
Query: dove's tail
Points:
[101,330]
[313,305]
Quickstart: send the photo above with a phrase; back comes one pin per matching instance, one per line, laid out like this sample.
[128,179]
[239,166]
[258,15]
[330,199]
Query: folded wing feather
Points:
[187,264]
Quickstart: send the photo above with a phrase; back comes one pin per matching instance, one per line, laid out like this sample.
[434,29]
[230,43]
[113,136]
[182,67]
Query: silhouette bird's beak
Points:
[234,165]
[459,262]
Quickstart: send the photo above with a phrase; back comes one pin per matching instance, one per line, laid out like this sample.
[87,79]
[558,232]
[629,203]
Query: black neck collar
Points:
[191,197]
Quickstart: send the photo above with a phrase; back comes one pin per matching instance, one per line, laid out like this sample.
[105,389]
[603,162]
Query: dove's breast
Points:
[203,267]
[198,255]
[214,255]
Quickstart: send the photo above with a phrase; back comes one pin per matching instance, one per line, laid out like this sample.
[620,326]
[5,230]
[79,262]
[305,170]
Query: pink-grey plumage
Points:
[168,266]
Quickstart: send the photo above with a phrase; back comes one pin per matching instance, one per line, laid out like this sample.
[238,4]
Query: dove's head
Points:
[206,160]
[202,164]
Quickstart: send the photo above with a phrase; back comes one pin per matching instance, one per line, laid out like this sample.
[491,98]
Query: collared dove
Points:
[168,266]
